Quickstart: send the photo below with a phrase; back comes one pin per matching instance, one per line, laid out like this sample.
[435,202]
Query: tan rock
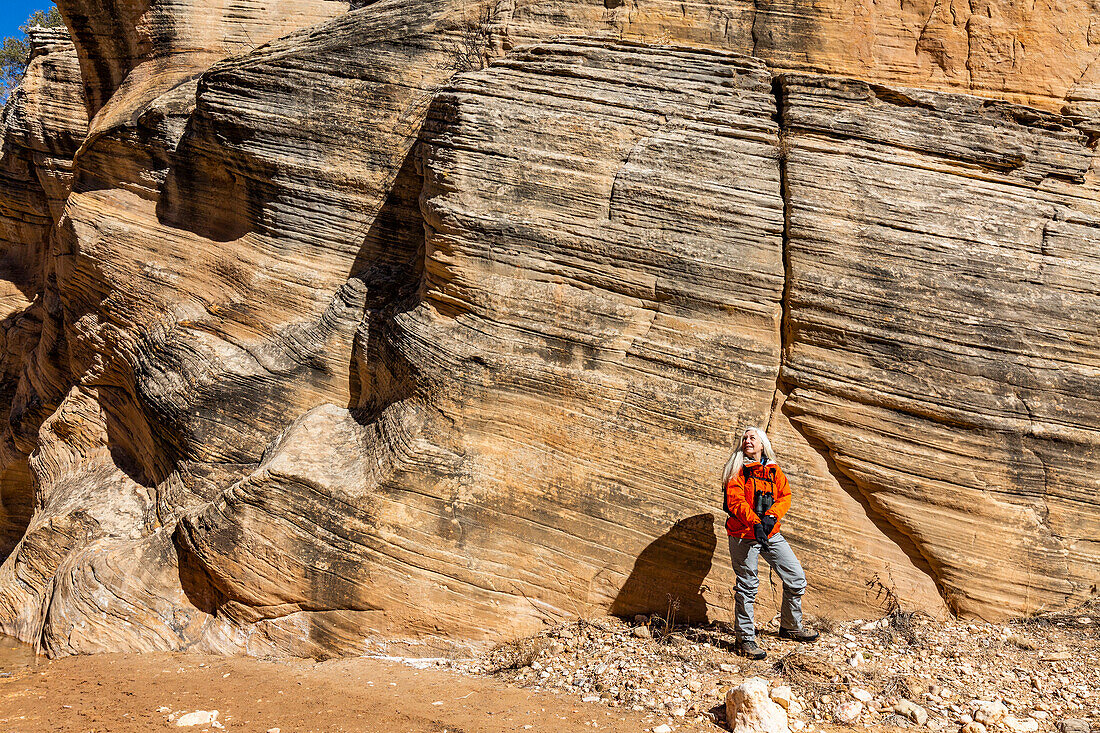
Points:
[989,713]
[848,712]
[895,367]
[750,710]
[782,695]
[912,711]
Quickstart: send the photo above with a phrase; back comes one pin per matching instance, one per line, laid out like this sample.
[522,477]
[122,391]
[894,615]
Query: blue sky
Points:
[14,12]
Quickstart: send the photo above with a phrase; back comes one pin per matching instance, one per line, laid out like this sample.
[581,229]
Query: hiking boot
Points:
[750,649]
[806,635]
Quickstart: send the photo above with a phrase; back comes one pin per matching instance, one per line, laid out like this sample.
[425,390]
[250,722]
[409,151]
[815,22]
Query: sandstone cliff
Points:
[322,333]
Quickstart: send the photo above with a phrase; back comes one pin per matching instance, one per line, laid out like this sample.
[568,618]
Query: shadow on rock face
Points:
[390,262]
[204,194]
[668,575]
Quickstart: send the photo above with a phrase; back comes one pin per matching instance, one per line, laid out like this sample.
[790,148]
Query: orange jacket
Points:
[743,485]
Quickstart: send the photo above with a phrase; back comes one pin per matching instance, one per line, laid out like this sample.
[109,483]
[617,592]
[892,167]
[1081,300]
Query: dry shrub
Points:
[902,624]
[811,674]
[824,624]
[516,654]
[904,685]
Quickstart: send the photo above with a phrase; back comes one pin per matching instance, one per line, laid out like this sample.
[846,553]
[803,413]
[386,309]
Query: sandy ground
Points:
[120,693]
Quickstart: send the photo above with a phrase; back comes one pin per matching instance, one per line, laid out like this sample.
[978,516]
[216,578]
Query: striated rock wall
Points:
[353,333]
[44,123]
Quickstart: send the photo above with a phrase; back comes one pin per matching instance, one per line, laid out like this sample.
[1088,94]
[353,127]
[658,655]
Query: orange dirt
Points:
[121,693]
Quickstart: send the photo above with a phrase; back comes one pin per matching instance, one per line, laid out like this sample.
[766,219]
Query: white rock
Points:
[274,730]
[1074,725]
[862,695]
[749,709]
[989,713]
[847,713]
[663,728]
[199,717]
[1039,714]
[679,712]
[164,709]
[1020,725]
[643,632]
[909,709]
[781,695]
[972,727]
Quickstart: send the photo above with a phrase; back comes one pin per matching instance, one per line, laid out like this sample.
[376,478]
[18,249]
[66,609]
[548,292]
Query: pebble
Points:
[988,712]
[1074,725]
[1020,725]
[663,728]
[782,695]
[847,713]
[940,665]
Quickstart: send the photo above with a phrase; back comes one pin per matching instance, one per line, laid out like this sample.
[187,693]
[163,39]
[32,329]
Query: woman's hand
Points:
[769,523]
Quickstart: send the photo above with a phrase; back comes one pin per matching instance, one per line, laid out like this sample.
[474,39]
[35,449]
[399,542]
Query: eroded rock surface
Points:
[43,125]
[315,339]
[942,332]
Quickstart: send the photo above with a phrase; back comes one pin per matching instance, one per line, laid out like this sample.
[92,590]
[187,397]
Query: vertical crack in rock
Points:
[896,534]
[784,191]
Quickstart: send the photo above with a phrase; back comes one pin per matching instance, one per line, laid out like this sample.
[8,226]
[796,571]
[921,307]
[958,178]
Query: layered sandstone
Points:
[44,123]
[354,333]
[942,331]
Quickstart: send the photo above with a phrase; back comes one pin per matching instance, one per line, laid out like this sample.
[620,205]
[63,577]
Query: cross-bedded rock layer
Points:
[327,341]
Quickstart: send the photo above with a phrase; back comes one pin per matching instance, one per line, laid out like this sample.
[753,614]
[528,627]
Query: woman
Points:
[757,497]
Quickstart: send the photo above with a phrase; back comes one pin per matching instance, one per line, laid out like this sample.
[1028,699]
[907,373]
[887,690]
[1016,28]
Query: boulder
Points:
[750,710]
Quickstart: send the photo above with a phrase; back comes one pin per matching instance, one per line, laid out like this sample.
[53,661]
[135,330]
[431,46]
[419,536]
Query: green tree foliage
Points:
[15,49]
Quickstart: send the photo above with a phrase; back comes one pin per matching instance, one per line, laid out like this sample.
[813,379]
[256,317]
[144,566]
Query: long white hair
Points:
[737,460]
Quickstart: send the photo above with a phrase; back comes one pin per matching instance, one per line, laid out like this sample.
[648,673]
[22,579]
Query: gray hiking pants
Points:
[745,555]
